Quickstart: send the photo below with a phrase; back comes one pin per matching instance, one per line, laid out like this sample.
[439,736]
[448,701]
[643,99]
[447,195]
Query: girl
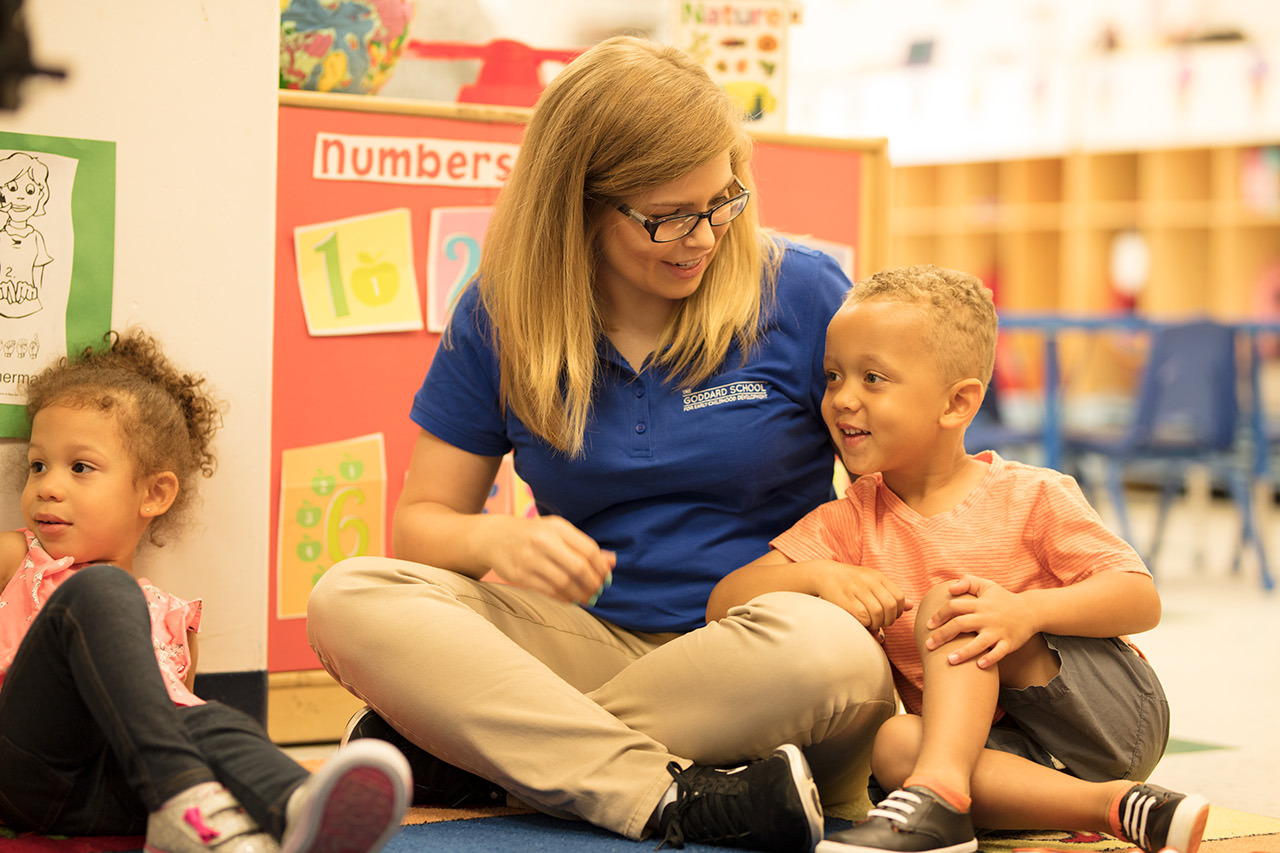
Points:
[99,730]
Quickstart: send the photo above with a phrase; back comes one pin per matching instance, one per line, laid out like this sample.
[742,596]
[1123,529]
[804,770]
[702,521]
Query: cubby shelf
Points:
[1040,231]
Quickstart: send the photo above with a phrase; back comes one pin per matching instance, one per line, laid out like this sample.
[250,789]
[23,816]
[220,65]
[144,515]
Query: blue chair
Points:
[1187,414]
[990,431]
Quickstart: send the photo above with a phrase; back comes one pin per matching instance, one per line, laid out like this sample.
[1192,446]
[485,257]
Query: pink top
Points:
[37,578]
[1022,527]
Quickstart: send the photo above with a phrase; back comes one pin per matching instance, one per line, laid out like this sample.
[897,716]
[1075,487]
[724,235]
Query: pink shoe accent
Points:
[195,820]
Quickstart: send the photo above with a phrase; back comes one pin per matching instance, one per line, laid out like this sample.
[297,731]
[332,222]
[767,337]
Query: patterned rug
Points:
[433,830]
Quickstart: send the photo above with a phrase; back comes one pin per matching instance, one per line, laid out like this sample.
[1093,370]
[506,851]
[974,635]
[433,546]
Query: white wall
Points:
[187,90]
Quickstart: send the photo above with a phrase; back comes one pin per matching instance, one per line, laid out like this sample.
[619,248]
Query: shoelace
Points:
[1133,817]
[898,806]
[722,816]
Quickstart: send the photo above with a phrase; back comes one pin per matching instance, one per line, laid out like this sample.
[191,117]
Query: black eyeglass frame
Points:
[652,225]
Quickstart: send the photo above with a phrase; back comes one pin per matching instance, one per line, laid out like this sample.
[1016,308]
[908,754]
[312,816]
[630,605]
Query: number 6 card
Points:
[332,498]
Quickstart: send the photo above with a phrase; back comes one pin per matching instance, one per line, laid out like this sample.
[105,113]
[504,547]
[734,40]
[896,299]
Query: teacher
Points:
[654,359]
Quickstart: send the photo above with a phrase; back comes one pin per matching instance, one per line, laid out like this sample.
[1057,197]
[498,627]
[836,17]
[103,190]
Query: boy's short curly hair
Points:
[167,416]
[962,314]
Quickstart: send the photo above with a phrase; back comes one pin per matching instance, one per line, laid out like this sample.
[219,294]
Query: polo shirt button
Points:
[640,428]
[639,391]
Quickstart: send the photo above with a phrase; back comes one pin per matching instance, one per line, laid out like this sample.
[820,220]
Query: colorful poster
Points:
[57,257]
[332,503]
[743,46]
[453,256]
[357,275]
[510,495]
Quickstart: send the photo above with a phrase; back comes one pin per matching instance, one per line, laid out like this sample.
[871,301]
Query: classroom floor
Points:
[1217,651]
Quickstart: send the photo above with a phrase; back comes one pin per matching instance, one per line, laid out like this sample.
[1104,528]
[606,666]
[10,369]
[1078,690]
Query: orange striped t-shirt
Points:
[1023,527]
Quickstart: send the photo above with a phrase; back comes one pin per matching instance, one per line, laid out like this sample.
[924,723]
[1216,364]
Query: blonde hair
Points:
[623,118]
[167,417]
[963,323]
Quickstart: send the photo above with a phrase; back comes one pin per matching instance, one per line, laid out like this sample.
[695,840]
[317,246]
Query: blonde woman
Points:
[654,360]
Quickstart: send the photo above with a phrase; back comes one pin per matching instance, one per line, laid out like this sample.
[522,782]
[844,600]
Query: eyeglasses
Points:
[666,229]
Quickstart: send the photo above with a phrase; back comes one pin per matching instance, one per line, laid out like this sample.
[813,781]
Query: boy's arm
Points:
[1106,604]
[871,597]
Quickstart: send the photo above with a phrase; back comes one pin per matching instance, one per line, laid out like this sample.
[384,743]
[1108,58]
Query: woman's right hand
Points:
[439,521]
[550,555]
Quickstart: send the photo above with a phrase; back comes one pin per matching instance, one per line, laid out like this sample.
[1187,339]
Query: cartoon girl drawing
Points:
[24,189]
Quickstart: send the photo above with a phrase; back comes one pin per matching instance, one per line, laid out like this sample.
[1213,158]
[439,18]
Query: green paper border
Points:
[93,217]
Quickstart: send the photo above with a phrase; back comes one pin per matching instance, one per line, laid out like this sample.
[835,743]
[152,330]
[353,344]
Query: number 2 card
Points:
[453,256]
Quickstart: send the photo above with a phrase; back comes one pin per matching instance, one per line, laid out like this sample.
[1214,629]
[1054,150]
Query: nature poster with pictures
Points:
[57,256]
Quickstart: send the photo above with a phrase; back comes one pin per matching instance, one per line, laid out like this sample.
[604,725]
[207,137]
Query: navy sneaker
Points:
[764,805]
[1157,819]
[910,820]
[435,782]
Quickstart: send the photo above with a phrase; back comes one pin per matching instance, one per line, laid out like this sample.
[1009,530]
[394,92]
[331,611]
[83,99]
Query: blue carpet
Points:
[532,833]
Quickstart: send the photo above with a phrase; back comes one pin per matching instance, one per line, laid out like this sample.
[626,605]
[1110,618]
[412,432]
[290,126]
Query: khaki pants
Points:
[578,717]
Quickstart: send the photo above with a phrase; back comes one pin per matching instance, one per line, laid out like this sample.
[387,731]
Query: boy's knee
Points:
[894,751]
[930,603]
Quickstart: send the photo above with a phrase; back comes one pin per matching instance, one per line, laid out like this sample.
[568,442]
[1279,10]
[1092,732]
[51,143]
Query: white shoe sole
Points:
[354,802]
[808,791]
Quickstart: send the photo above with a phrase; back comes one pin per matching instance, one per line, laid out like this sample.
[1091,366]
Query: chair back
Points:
[1187,399]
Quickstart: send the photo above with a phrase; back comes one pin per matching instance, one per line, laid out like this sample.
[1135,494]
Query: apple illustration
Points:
[375,283]
[349,468]
[315,579]
[323,484]
[309,550]
[308,514]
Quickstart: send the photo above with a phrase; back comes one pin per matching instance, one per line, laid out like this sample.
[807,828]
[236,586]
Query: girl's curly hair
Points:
[167,417]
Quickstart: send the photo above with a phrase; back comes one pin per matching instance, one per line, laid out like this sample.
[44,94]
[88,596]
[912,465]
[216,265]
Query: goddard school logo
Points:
[734,392]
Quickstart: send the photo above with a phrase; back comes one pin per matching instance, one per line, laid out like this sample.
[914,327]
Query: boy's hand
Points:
[867,594]
[986,610]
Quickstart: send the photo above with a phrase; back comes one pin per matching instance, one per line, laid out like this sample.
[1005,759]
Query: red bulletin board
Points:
[339,387]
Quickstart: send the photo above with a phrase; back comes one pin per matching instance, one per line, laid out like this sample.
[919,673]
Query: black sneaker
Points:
[435,782]
[1157,819]
[910,820]
[765,805]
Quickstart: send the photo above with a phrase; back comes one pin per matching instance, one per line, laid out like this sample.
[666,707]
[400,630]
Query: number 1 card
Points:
[357,275]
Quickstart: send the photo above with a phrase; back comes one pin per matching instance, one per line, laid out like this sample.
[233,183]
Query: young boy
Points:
[1028,709]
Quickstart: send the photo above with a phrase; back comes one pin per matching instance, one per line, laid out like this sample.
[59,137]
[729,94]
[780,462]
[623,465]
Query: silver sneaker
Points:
[202,818]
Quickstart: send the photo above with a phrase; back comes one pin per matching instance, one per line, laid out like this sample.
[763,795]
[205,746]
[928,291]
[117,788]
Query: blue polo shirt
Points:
[684,486]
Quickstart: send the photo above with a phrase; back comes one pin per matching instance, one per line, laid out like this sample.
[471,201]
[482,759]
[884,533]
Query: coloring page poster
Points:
[57,256]
[743,46]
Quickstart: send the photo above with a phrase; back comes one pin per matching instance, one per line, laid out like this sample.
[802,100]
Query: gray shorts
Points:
[1104,716]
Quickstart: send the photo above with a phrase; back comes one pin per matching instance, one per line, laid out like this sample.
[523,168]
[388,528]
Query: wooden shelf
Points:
[1041,228]
[1040,231]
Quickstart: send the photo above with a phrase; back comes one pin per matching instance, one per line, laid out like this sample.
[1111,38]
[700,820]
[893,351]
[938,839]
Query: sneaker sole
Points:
[352,722]
[829,846]
[807,791]
[1187,827]
[360,805]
